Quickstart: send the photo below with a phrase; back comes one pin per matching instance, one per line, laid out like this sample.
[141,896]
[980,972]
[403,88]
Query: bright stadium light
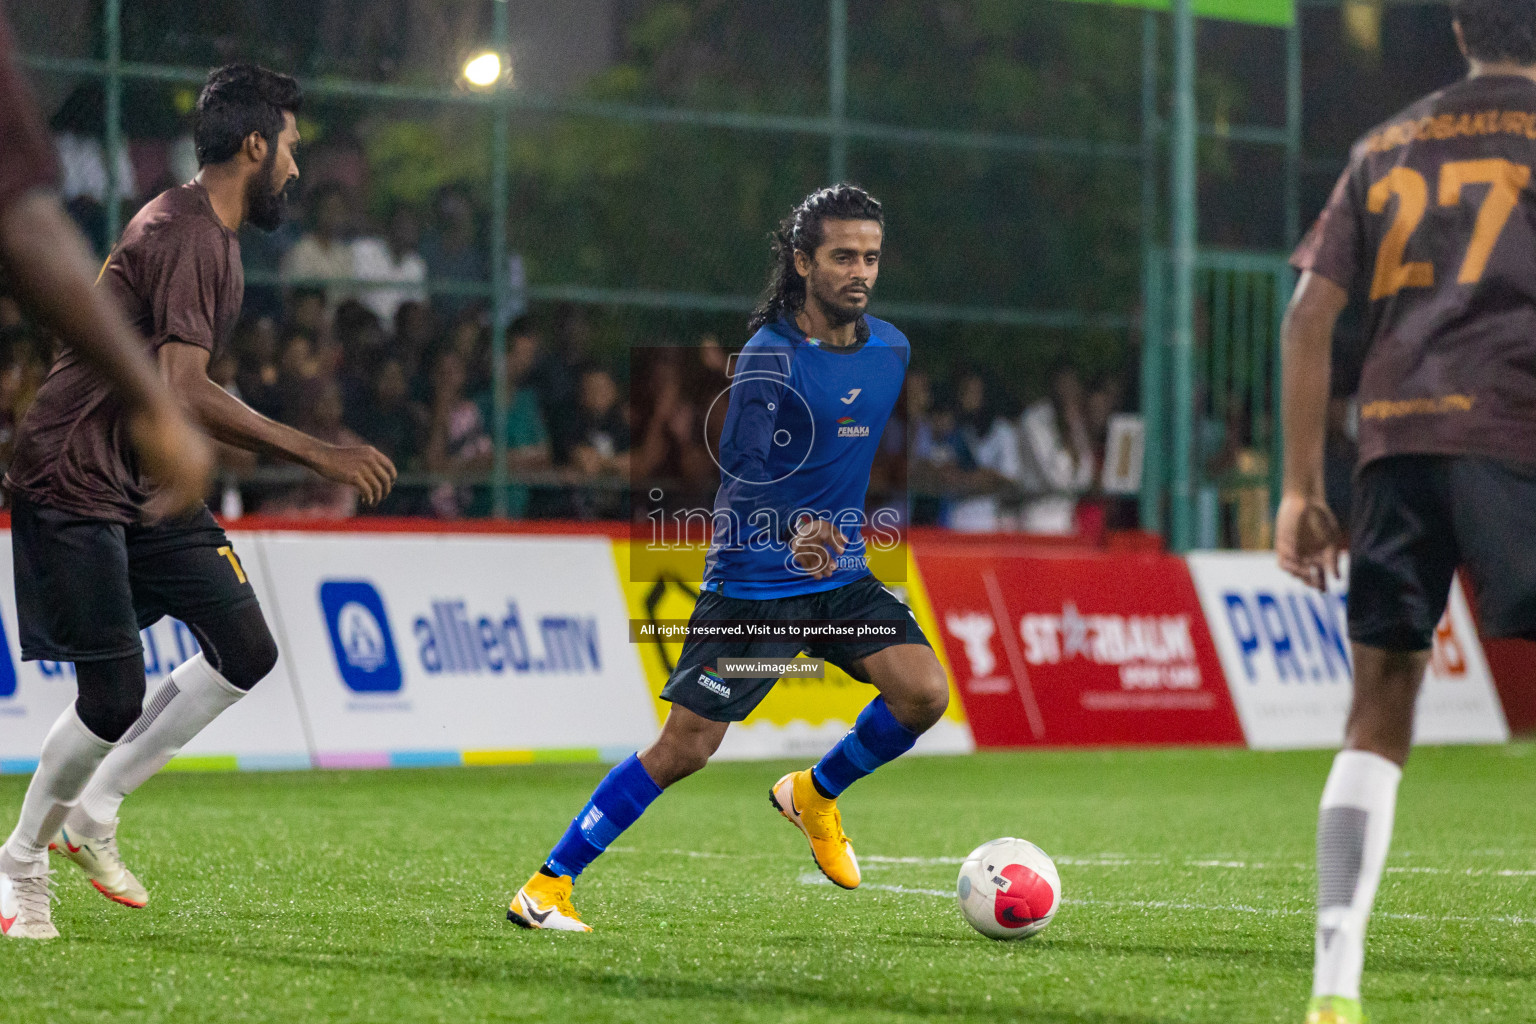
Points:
[483,70]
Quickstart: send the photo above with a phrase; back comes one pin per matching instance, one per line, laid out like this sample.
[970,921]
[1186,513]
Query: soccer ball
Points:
[1009,889]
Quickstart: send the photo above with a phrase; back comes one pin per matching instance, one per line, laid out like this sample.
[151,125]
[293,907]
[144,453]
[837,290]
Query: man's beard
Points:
[265,208]
[838,311]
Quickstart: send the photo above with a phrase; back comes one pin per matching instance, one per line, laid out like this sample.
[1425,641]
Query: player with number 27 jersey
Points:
[1435,221]
[1433,227]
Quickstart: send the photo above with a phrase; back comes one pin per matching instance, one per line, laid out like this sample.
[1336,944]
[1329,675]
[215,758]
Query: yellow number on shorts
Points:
[234,560]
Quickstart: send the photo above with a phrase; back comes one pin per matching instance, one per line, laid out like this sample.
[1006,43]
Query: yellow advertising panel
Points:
[799,715]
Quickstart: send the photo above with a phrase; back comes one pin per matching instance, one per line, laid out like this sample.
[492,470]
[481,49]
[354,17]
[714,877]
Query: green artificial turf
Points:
[381,896]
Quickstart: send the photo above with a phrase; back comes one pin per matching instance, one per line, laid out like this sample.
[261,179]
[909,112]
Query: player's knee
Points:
[676,755]
[932,698]
[240,648]
[692,753]
[111,696]
[257,658]
[924,700]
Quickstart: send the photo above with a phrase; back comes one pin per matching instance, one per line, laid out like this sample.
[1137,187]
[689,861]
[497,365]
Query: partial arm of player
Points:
[230,420]
[53,277]
[1306,533]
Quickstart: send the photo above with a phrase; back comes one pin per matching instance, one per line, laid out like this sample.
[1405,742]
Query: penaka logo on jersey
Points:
[1150,651]
[847,426]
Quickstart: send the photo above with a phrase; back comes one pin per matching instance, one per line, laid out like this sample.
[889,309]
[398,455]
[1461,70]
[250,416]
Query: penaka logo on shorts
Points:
[710,680]
[1150,651]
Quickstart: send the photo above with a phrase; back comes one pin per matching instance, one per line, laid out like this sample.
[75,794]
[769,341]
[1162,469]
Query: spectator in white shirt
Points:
[1057,455]
[323,252]
[78,128]
[395,259]
[988,451]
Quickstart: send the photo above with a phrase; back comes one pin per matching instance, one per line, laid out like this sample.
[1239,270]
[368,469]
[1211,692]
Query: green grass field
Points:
[380,896]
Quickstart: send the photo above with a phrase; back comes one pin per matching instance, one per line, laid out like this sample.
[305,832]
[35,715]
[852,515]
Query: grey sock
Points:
[1340,854]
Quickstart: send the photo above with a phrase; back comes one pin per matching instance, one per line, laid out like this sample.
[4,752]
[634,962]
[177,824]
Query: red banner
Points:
[1077,649]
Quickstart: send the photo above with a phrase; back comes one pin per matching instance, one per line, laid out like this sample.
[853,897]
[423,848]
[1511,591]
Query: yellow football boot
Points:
[545,902]
[795,796]
[1334,1010]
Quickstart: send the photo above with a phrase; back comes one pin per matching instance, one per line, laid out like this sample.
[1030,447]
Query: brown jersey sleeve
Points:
[27,160]
[185,271]
[1334,246]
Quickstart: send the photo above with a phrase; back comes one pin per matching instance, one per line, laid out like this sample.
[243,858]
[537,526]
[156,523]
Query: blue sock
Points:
[616,804]
[875,739]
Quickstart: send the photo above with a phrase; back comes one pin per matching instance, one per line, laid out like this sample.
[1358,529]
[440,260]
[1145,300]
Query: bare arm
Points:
[54,277]
[1306,534]
[231,421]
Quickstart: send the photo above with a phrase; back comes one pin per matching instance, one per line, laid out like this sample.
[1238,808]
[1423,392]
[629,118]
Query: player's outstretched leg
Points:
[914,693]
[238,651]
[111,693]
[1354,824]
[686,742]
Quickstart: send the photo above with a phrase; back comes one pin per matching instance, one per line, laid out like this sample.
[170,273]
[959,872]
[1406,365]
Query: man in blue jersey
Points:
[809,400]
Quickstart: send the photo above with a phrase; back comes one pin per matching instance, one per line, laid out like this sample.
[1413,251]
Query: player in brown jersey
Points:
[90,571]
[1434,224]
[51,272]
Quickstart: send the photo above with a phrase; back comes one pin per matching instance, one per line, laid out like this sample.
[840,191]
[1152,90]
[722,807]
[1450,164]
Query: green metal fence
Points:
[1169,346]
[1213,464]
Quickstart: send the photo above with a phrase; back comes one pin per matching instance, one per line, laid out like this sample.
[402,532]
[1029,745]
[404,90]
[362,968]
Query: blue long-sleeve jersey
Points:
[801,432]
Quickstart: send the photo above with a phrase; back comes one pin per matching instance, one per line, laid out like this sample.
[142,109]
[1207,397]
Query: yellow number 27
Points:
[1504,179]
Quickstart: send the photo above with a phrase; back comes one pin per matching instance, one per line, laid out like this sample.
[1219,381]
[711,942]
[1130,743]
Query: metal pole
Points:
[837,89]
[1293,129]
[1184,194]
[501,116]
[1153,384]
[112,144]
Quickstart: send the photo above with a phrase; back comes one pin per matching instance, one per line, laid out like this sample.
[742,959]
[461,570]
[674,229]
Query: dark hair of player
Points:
[802,230]
[1498,30]
[237,100]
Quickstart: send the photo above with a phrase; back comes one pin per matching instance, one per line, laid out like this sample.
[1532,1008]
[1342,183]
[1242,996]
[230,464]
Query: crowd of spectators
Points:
[981,464]
[360,328]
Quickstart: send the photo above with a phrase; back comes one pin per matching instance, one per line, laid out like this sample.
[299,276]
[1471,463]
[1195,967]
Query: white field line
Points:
[1228,908]
[1105,860]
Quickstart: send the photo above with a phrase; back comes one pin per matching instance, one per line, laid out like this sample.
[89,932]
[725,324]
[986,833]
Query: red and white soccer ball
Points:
[1009,889]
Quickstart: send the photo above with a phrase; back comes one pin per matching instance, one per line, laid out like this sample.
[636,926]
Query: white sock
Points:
[70,754]
[1354,829]
[193,696]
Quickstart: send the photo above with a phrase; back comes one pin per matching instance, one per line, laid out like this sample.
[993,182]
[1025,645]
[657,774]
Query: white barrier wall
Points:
[264,730]
[1285,651]
[421,649]
[396,650]
[409,647]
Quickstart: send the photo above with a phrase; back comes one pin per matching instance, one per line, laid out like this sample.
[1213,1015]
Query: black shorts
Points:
[732,700]
[85,587]
[1415,519]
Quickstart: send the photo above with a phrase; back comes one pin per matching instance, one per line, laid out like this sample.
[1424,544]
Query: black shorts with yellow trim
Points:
[86,587]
